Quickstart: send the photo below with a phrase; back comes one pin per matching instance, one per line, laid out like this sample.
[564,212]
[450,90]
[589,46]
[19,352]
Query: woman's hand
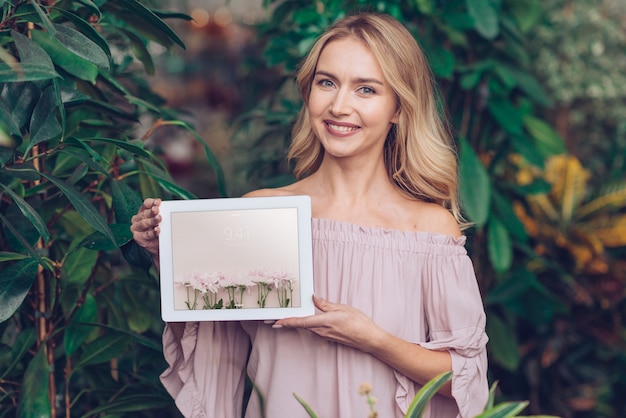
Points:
[338,323]
[145,226]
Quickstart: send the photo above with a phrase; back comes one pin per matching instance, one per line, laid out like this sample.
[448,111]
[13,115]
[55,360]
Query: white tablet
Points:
[236,259]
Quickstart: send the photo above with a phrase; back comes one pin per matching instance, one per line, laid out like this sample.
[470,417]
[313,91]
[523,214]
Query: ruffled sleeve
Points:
[455,319]
[206,368]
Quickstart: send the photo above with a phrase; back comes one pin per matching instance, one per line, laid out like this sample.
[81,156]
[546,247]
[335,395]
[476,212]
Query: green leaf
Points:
[420,401]
[529,85]
[66,59]
[34,402]
[425,6]
[103,349]
[499,245]
[15,282]
[475,187]
[76,333]
[35,63]
[81,45]
[138,314]
[503,208]
[140,50]
[9,256]
[441,59]
[23,343]
[504,410]
[126,201]
[503,343]
[29,213]
[43,16]
[21,98]
[547,140]
[7,120]
[144,21]
[485,17]
[87,30]
[508,116]
[135,147]
[78,265]
[210,156]
[44,125]
[306,406]
[99,242]
[83,206]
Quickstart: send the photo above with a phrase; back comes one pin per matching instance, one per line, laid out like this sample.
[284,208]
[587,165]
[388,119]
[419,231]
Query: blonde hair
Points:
[419,153]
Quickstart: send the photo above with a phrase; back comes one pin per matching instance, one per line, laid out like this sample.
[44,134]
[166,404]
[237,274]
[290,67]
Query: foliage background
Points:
[536,96]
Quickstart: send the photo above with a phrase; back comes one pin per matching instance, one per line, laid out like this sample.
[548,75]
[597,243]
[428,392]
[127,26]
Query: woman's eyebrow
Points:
[358,80]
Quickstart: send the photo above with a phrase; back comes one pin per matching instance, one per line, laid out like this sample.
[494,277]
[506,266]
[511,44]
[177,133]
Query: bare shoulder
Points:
[435,218]
[290,190]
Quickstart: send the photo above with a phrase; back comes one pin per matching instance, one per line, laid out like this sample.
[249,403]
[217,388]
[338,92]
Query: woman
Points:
[396,296]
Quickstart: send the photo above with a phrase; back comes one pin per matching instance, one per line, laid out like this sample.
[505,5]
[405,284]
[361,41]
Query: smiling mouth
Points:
[341,128]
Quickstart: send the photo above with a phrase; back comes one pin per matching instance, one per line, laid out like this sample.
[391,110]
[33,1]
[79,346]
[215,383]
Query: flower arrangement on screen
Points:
[204,289]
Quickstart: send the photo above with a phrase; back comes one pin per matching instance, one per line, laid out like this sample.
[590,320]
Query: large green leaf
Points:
[35,63]
[485,16]
[503,208]
[506,114]
[547,140]
[81,45]
[83,206]
[99,242]
[475,187]
[103,349]
[420,401]
[87,30]
[78,265]
[30,213]
[64,58]
[499,245]
[503,343]
[138,314]
[34,402]
[21,98]
[77,333]
[44,125]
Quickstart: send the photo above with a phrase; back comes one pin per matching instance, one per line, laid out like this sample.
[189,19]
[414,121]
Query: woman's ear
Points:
[396,117]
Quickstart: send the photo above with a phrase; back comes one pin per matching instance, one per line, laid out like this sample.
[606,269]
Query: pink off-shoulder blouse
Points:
[418,286]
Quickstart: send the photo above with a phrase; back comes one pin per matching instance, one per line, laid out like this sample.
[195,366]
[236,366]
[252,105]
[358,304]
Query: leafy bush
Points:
[79,319]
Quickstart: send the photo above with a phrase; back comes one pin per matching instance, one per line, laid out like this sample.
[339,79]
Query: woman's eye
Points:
[325,83]
[366,90]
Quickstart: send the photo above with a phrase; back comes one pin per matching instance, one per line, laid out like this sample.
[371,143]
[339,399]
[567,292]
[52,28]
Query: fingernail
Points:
[277,326]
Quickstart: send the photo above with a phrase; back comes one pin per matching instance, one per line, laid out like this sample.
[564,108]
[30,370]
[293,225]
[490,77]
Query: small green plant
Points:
[420,401]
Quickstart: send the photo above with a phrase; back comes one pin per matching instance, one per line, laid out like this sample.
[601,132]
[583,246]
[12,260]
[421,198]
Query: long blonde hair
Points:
[419,154]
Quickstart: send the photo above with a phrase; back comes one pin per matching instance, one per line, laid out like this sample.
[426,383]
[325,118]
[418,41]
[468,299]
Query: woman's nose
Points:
[340,104]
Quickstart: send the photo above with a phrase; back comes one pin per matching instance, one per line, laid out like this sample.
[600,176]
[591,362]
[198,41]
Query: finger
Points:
[322,304]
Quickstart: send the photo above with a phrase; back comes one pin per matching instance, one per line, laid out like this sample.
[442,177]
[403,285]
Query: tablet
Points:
[236,259]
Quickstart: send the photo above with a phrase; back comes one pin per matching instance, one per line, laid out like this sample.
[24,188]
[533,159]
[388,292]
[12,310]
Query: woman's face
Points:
[351,106]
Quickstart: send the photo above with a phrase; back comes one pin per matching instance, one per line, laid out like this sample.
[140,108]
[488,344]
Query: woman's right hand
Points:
[145,226]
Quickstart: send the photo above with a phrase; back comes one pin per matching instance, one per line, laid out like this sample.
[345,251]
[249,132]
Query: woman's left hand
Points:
[338,323]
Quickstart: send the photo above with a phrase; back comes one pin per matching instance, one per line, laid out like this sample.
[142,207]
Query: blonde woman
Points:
[396,296]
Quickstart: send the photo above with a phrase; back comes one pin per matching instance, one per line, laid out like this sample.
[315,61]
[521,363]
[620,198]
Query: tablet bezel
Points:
[302,204]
